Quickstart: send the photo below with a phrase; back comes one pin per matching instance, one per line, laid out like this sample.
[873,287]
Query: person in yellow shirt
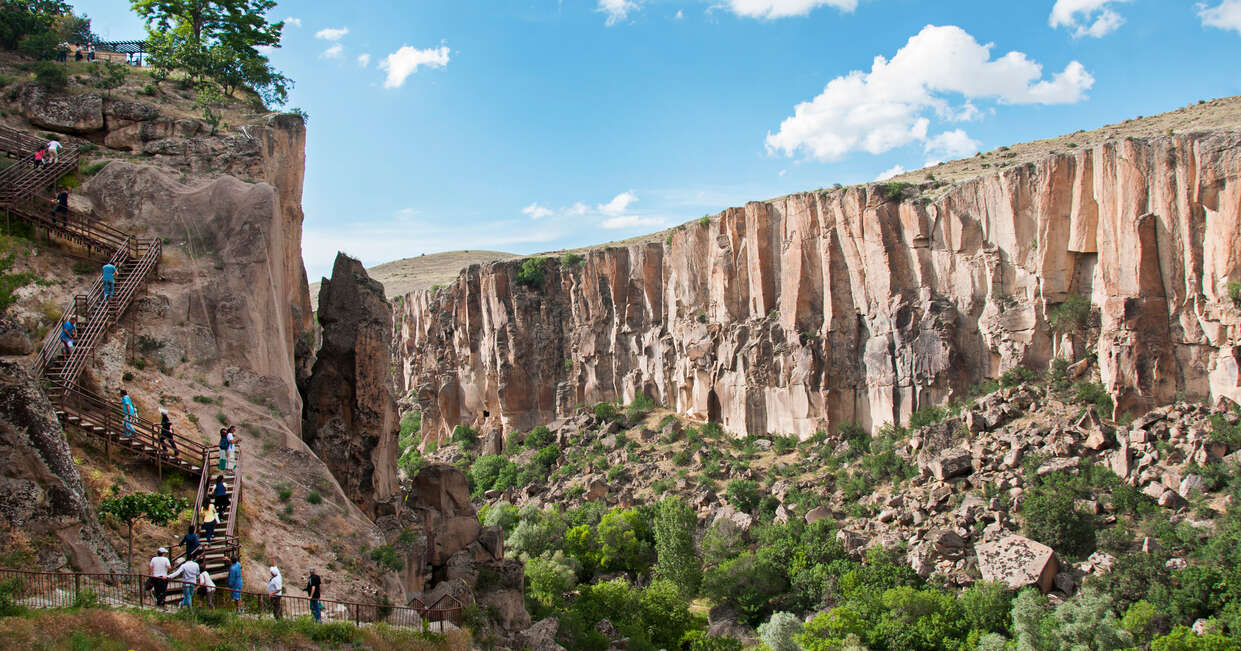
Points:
[209,519]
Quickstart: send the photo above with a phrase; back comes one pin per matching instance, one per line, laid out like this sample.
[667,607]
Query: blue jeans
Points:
[188,598]
[316,609]
[108,287]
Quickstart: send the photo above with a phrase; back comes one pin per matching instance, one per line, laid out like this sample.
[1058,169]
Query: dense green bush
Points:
[1094,393]
[531,273]
[742,494]
[1053,518]
[676,556]
[465,436]
[1072,316]
[606,411]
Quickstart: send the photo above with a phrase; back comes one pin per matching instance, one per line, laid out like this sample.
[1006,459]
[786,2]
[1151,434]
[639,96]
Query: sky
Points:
[533,125]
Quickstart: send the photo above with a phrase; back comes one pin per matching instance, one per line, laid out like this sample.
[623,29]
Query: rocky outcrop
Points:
[67,113]
[1018,562]
[350,418]
[43,506]
[246,318]
[817,309]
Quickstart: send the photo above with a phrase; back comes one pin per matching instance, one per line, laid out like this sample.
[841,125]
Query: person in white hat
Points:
[275,590]
[159,575]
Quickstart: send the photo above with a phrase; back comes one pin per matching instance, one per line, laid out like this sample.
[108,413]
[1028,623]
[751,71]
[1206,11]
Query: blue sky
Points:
[532,125]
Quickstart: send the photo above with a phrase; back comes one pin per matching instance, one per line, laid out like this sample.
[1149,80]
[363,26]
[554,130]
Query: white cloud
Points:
[952,144]
[618,204]
[578,209]
[1086,17]
[1225,15]
[535,211]
[617,10]
[679,15]
[783,172]
[405,61]
[885,108]
[364,60]
[332,33]
[632,221]
[895,170]
[784,8]
[293,22]
[333,52]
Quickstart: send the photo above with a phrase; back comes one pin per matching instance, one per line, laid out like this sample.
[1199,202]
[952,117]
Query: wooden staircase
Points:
[94,315]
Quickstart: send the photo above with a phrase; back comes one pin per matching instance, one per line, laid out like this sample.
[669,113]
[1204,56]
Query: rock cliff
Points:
[350,418]
[43,507]
[863,304]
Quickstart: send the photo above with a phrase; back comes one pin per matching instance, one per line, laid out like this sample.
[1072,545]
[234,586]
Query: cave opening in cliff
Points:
[713,407]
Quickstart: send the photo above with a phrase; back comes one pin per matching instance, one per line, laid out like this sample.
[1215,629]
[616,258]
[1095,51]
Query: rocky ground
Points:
[949,494]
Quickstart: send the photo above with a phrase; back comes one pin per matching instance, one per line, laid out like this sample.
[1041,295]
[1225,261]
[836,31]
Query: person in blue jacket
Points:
[128,411]
[234,582]
[68,332]
[109,280]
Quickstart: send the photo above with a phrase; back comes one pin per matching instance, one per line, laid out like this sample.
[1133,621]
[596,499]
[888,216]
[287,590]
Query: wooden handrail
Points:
[74,399]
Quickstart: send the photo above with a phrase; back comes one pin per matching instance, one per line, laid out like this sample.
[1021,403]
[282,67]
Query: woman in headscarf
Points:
[275,590]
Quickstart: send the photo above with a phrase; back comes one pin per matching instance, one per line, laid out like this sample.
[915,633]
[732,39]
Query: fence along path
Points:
[65,589]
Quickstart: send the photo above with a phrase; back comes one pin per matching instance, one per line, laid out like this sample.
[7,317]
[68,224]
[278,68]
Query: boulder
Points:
[119,109]
[852,541]
[1192,484]
[734,519]
[13,339]
[1017,562]
[954,463]
[817,513]
[541,636]
[65,113]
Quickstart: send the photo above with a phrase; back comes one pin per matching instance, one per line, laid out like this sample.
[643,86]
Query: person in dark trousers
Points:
[223,445]
[61,211]
[314,589]
[221,496]
[165,433]
[159,575]
[190,540]
[275,590]
[109,280]
[209,518]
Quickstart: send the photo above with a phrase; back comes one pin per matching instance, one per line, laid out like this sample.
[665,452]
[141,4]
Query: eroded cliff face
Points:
[245,315]
[350,418]
[813,310]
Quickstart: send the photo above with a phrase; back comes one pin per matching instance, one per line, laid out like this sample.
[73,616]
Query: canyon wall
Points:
[817,309]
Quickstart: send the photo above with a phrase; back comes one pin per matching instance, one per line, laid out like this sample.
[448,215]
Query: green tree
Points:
[1054,519]
[778,632]
[622,542]
[22,19]
[216,40]
[676,558]
[550,577]
[157,508]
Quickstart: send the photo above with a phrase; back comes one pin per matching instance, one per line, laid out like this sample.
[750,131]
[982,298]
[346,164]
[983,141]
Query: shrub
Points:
[539,437]
[571,260]
[387,557]
[606,411]
[1017,376]
[894,190]
[51,74]
[928,415]
[531,273]
[1072,316]
[742,494]
[94,168]
[642,404]
[465,435]
[1054,519]
[1234,292]
[1094,393]
[778,632]
[284,491]
[748,582]
[314,497]
[704,221]
[1058,376]
[489,470]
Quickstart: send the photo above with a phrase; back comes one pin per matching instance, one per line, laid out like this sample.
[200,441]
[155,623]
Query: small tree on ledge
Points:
[156,508]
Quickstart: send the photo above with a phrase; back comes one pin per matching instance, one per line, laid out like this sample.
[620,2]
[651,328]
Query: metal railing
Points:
[65,589]
[106,419]
[52,346]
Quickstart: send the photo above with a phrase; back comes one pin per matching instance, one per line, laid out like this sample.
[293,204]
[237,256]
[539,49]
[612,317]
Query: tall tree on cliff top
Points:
[216,41]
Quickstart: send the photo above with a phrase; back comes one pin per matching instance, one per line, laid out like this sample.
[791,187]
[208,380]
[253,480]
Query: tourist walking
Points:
[108,273]
[234,582]
[159,565]
[128,412]
[53,152]
[314,589]
[208,585]
[39,158]
[221,496]
[275,590]
[233,440]
[68,332]
[188,572]
[190,540]
[223,445]
[60,212]
[210,518]
[165,433]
